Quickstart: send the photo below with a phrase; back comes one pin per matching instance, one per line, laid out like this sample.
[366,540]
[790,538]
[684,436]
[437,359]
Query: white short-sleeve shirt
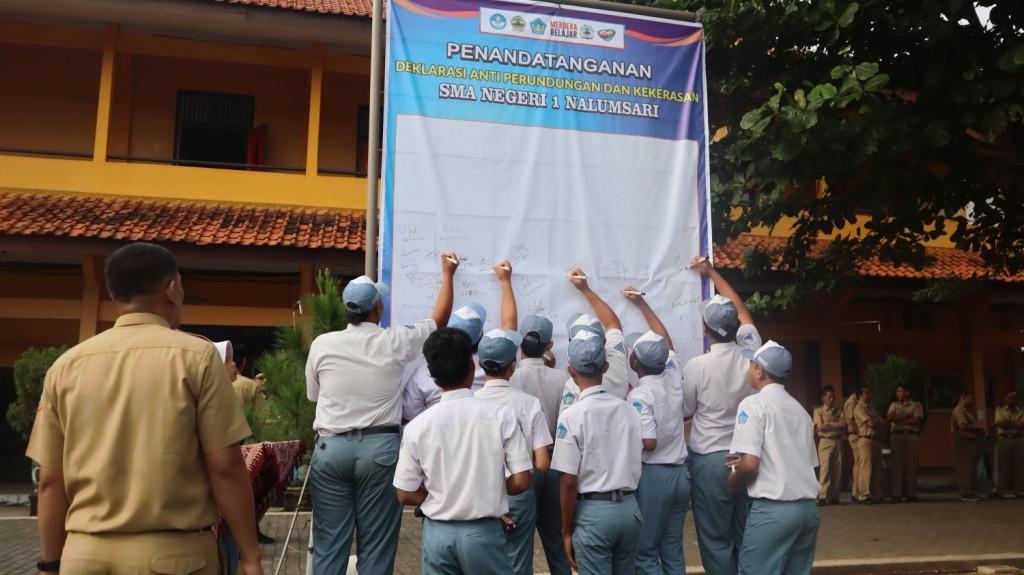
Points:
[774,427]
[659,401]
[525,406]
[544,383]
[462,450]
[615,380]
[599,440]
[355,375]
[421,392]
[713,386]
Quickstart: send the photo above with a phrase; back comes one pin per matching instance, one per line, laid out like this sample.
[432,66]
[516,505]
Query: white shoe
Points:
[1008,495]
[970,498]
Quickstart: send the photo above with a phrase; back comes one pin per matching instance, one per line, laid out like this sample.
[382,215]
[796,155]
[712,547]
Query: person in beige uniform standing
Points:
[137,439]
[869,446]
[905,415]
[966,433]
[1010,448]
[830,426]
[851,438]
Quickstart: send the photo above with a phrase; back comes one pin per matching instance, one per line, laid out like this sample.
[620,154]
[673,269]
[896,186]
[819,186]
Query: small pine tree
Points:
[287,413]
[897,371]
[29,373]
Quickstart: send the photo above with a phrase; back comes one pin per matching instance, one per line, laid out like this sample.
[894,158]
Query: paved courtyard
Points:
[850,536]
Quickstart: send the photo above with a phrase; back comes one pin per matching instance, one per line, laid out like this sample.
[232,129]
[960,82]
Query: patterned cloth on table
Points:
[270,466]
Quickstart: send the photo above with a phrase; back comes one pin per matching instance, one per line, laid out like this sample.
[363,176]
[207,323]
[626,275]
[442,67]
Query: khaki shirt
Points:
[822,416]
[247,390]
[1005,413]
[905,409]
[963,416]
[867,419]
[128,415]
[848,407]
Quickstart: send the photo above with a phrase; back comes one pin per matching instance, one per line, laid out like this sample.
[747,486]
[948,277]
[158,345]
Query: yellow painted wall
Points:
[282,100]
[339,116]
[48,98]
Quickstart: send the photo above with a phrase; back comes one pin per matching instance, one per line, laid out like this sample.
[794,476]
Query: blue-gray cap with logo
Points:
[649,348]
[469,318]
[582,321]
[362,294]
[720,315]
[586,353]
[537,329]
[773,358]
[498,348]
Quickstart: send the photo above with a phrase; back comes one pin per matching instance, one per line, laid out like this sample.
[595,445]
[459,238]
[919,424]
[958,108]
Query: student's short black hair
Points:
[352,316]
[492,370]
[827,389]
[730,335]
[449,354]
[534,349]
[138,269]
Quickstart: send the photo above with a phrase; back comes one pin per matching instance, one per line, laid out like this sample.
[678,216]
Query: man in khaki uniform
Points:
[966,433]
[1010,448]
[905,416]
[137,439]
[830,425]
[869,449]
[851,438]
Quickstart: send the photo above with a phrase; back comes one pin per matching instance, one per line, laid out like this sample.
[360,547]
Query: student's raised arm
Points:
[509,311]
[602,310]
[723,287]
[446,296]
[652,319]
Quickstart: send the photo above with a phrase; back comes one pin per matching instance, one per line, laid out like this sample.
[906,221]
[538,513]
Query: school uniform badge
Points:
[562,430]
[743,417]
[639,407]
[568,398]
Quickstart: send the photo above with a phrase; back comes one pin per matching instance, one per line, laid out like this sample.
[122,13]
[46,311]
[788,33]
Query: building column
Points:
[92,275]
[972,367]
[316,80]
[307,280]
[829,343]
[99,146]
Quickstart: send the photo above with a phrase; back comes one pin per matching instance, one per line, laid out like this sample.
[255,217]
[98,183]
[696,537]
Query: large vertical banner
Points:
[552,137]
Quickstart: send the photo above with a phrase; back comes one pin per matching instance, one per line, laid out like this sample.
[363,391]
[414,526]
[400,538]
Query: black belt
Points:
[1008,436]
[905,432]
[376,430]
[616,495]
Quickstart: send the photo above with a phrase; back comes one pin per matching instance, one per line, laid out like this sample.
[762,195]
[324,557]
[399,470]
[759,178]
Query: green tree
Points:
[897,371]
[29,373]
[909,111]
[286,413]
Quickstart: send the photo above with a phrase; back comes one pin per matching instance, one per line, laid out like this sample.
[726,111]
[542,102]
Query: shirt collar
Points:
[497,383]
[461,393]
[596,390]
[648,380]
[363,325]
[535,361]
[140,319]
[773,387]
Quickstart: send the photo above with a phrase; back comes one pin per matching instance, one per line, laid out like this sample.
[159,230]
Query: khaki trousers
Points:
[854,467]
[904,464]
[159,553]
[869,469]
[965,460]
[830,472]
[1010,460]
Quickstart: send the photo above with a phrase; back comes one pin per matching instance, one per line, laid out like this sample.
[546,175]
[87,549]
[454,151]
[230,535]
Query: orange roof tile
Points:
[949,263]
[119,218]
[329,7]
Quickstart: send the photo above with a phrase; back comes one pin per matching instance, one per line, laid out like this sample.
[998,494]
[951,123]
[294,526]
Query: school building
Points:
[235,132]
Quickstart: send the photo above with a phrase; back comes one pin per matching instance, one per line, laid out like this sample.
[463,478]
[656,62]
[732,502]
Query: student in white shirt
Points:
[774,442]
[597,450]
[545,383]
[420,392]
[664,490]
[713,386]
[355,378]
[608,326]
[459,461]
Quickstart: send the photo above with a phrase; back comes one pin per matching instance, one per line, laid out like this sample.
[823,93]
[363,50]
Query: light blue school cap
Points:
[536,329]
[498,348]
[362,294]
[773,358]
[586,352]
[649,348]
[469,318]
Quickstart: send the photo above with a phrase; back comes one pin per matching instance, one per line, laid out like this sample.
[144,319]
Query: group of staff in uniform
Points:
[138,431]
[498,443]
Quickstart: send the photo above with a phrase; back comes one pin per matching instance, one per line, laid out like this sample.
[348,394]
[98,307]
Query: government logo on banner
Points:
[552,28]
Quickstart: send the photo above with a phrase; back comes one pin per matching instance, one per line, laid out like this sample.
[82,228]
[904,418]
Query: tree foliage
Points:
[287,413]
[911,112]
[897,371]
[29,373]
